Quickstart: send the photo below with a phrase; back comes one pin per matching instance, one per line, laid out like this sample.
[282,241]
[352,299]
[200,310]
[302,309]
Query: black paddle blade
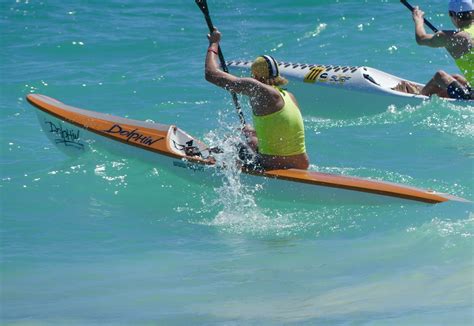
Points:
[202,4]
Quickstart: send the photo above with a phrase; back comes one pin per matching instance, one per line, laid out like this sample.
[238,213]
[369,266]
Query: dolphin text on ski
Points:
[132,135]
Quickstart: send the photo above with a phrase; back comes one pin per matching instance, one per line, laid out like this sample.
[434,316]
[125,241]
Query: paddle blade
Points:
[202,4]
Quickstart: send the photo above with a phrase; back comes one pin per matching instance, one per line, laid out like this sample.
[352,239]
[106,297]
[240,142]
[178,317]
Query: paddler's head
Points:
[461,12]
[265,69]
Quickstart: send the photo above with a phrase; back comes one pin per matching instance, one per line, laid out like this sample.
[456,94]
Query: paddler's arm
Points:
[246,86]
[437,40]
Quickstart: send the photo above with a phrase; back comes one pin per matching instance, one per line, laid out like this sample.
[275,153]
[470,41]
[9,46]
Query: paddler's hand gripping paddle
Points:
[202,4]
[427,23]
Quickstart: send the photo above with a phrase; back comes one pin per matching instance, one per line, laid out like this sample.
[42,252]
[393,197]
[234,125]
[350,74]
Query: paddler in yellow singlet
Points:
[278,137]
[459,44]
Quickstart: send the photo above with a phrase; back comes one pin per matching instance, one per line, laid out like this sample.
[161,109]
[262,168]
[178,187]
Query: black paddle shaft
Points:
[427,23]
[202,4]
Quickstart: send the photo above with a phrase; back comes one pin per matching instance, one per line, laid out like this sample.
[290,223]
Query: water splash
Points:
[233,205]
[238,208]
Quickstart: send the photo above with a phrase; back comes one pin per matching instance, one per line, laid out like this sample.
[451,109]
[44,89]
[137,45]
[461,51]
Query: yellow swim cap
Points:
[265,68]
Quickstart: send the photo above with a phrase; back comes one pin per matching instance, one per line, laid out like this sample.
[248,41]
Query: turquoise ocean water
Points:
[104,239]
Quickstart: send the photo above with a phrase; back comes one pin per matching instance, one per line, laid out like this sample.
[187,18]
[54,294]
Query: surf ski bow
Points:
[76,131]
[333,91]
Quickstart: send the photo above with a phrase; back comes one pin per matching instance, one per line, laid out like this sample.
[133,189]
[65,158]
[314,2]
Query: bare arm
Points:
[246,86]
[265,98]
[216,76]
[438,40]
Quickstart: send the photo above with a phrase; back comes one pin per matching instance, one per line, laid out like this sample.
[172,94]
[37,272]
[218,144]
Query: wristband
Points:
[212,50]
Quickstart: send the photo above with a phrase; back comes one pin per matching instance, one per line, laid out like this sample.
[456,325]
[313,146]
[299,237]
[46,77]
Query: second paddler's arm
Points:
[437,40]
[215,75]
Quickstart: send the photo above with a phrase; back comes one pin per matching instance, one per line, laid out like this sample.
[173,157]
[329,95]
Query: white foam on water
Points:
[437,114]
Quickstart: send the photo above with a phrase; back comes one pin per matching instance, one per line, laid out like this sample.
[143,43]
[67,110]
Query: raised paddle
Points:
[202,4]
[427,23]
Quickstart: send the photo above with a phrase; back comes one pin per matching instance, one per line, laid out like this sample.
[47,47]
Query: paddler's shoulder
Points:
[293,97]
[459,44]
[461,34]
[286,93]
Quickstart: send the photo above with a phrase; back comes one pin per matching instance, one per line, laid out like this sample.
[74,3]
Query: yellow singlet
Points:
[466,62]
[281,133]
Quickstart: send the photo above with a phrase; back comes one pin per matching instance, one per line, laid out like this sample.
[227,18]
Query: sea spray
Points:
[235,199]
[234,205]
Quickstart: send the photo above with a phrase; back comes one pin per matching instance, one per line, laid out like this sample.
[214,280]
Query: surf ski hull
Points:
[343,92]
[76,131]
